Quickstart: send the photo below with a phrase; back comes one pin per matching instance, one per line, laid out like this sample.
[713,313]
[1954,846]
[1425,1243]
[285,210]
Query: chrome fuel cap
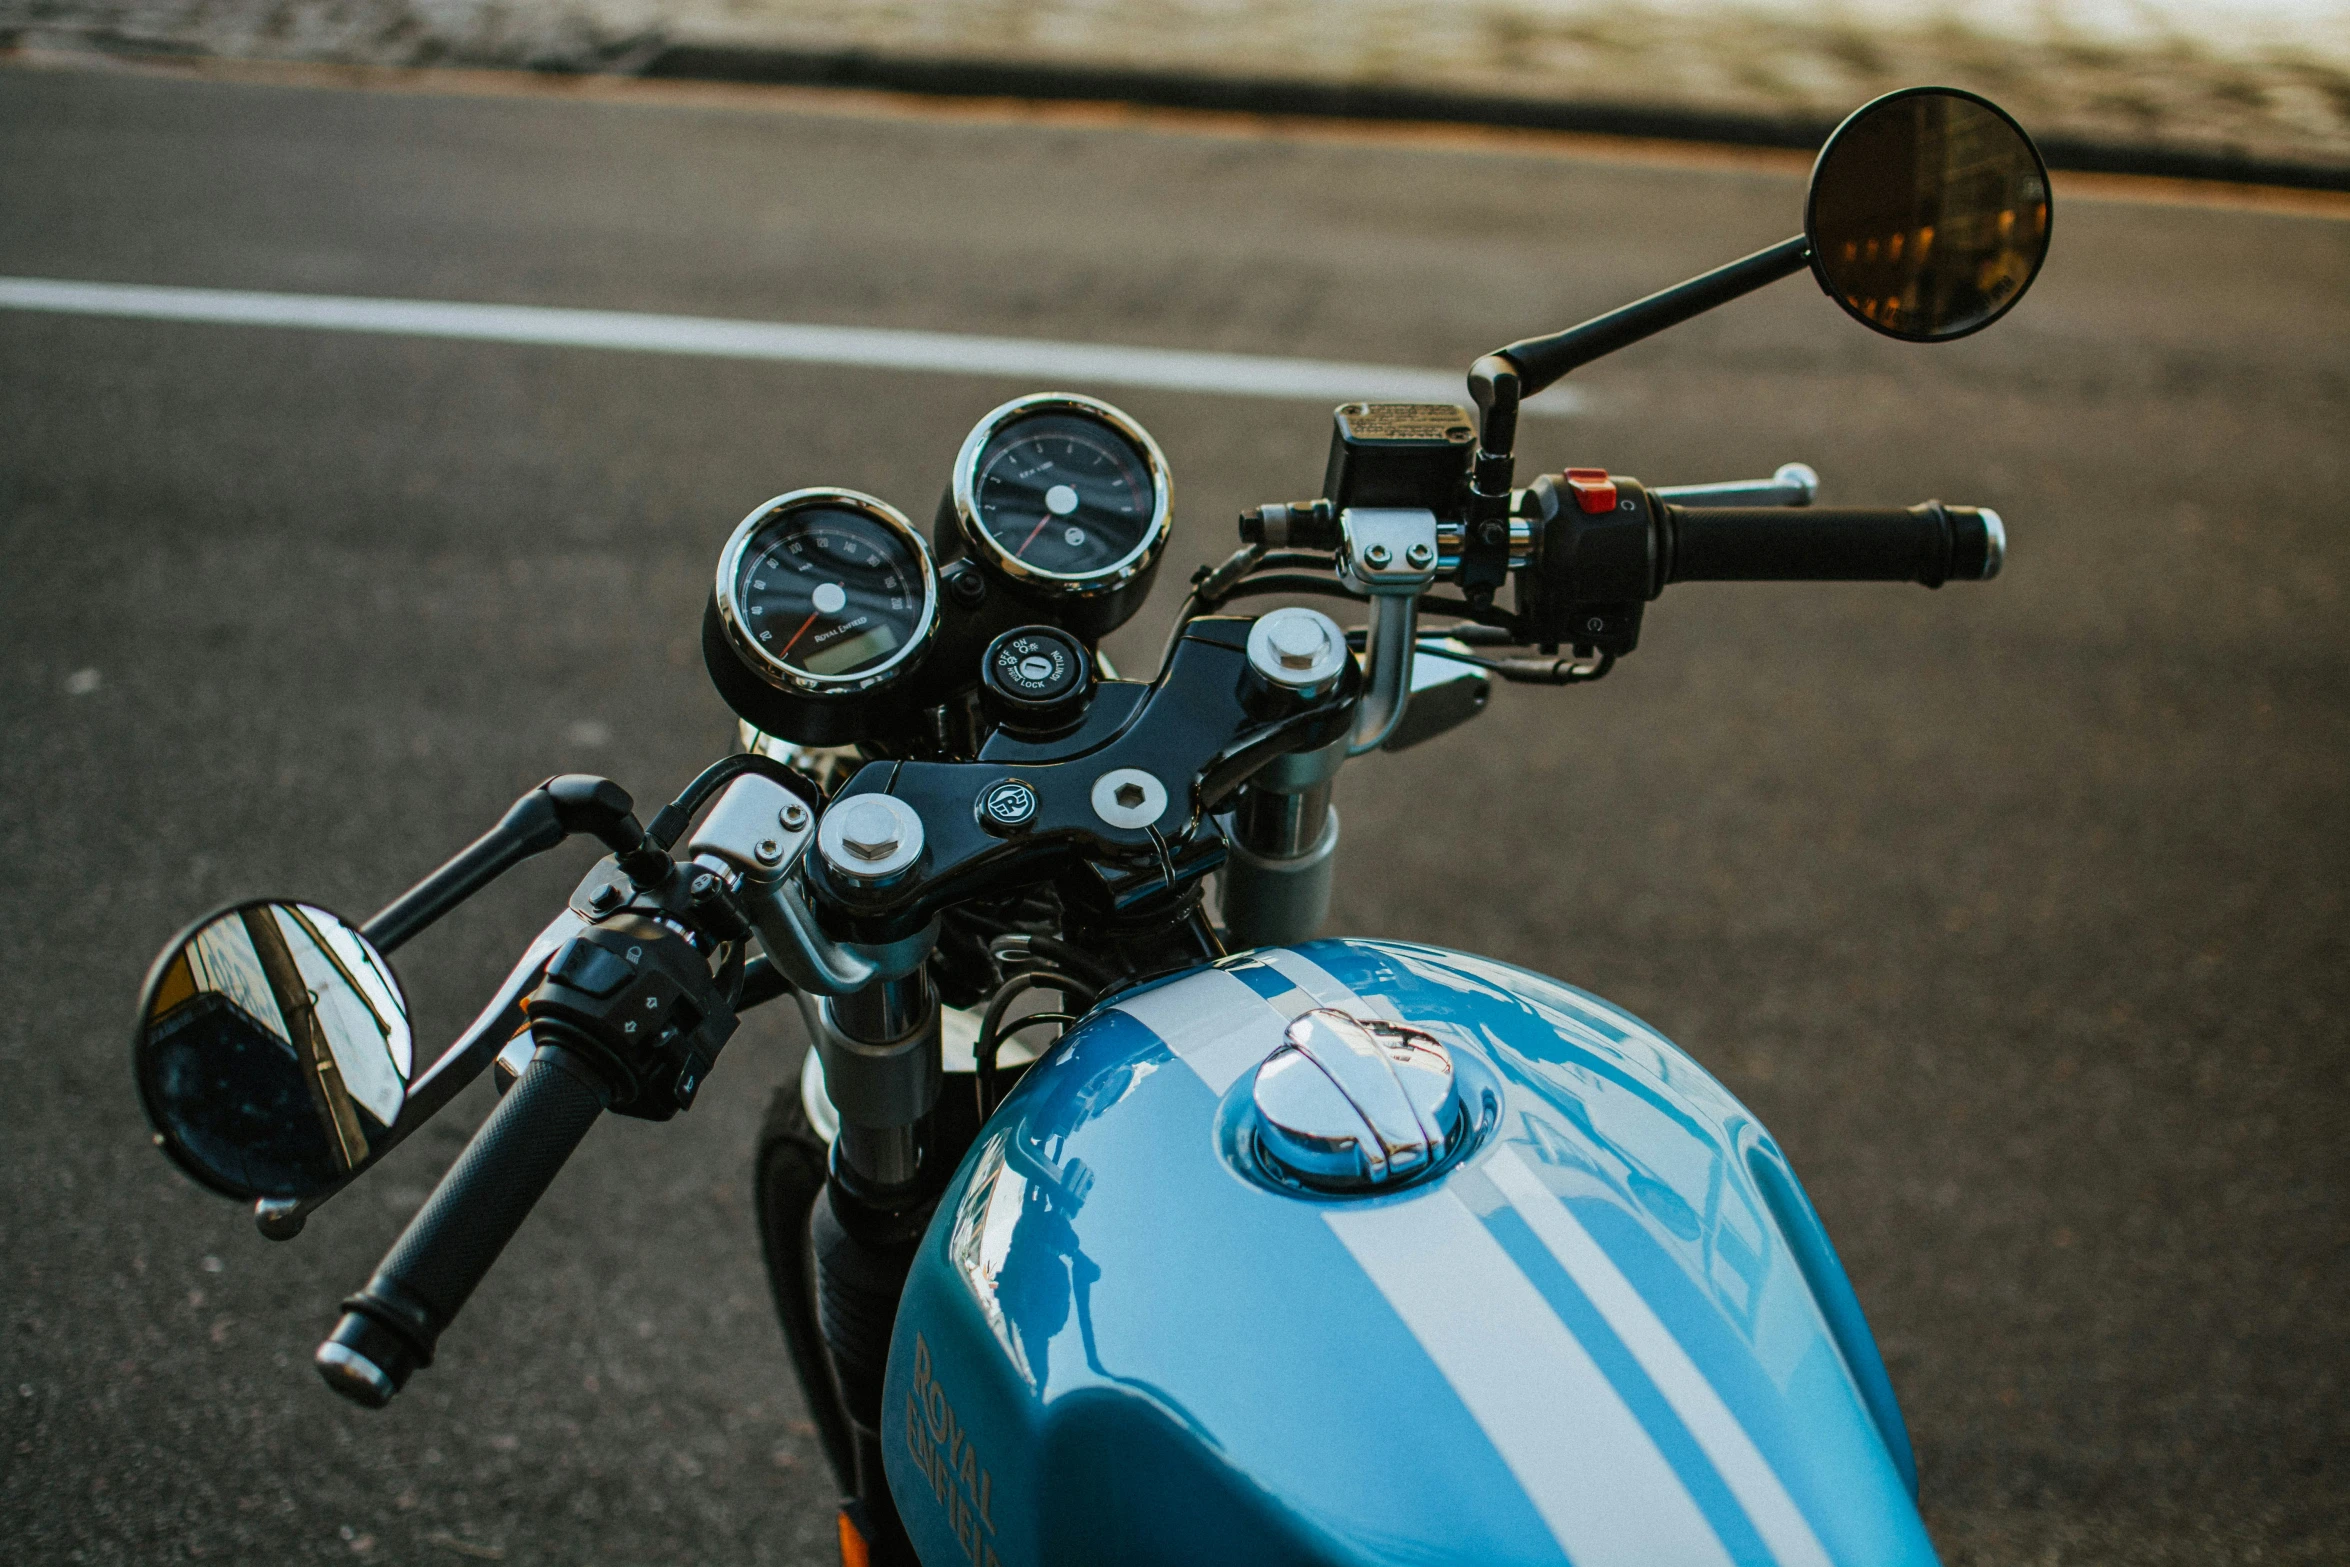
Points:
[1349,1103]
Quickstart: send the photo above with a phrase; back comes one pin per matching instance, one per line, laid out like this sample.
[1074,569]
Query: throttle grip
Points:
[389,1329]
[1931,544]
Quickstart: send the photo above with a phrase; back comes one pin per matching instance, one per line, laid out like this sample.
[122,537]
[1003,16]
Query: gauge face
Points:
[1063,490]
[831,589]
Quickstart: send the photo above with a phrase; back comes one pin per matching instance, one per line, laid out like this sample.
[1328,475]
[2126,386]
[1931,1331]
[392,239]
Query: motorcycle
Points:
[1277,1250]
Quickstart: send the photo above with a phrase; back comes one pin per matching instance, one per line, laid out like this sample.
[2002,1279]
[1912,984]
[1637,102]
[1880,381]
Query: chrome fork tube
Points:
[1282,826]
[1283,847]
[886,1009]
[882,1070]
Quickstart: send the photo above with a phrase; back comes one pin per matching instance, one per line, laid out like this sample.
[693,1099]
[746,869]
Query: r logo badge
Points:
[1006,806]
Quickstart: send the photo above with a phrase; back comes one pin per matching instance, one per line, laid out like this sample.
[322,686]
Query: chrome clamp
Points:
[756,836]
[1389,555]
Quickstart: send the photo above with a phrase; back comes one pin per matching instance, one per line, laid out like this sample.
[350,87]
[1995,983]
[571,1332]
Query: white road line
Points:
[1735,1457]
[1598,1480]
[866,348]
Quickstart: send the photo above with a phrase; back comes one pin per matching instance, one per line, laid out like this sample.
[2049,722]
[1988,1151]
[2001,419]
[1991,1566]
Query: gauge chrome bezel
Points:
[775,671]
[1102,579]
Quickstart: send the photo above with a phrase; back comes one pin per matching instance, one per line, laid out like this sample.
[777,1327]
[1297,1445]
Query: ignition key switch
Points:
[1036,680]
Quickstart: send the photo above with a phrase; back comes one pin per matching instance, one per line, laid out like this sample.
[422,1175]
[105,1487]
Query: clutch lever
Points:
[282,1218]
[541,819]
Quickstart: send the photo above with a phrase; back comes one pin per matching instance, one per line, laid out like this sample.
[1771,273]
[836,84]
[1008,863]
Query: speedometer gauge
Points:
[1066,499]
[825,598]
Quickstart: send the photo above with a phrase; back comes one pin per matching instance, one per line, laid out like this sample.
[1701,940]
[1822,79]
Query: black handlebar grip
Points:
[389,1329]
[1932,544]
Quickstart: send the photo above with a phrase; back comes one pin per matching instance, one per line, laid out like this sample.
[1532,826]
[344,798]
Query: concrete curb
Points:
[652,57]
[968,78]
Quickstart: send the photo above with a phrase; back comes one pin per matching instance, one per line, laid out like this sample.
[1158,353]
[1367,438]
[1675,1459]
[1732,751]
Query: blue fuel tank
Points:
[1601,1324]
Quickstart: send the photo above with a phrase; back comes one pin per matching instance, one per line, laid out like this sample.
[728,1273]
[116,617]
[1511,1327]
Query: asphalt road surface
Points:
[2016,911]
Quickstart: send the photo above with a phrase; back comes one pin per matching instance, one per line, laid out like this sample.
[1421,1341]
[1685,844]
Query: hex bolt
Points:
[869,838]
[1296,649]
[768,851]
[1299,642]
[869,833]
[1419,555]
[793,816]
[604,899]
[1376,555]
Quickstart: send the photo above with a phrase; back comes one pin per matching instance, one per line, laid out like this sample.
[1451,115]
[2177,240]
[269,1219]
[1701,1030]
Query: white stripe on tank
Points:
[1215,1024]
[1326,988]
[1583,1459]
[1726,1443]
[1310,977]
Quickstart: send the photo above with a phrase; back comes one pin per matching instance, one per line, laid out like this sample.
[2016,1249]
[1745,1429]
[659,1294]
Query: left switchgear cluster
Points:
[637,999]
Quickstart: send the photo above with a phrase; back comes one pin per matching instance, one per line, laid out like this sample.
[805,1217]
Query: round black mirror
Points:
[273,1050]
[1928,214]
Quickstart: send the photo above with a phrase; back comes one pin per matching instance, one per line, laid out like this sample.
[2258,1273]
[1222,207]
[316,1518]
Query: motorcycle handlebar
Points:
[389,1329]
[1932,544]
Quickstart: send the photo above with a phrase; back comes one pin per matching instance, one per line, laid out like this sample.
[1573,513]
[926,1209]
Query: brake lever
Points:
[1795,484]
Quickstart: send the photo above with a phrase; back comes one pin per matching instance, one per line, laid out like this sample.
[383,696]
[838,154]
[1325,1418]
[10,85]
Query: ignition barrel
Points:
[1036,680]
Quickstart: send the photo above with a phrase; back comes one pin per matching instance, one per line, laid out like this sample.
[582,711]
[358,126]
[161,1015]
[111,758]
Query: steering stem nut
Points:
[1297,649]
[868,839]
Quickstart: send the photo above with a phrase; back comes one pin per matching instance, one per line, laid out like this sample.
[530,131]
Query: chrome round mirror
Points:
[1928,214]
[273,1050]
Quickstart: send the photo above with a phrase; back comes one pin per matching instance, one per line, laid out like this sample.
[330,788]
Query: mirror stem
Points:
[1537,362]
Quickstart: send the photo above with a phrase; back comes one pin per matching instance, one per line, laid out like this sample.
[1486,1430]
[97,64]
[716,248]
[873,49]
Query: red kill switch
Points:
[1594,490]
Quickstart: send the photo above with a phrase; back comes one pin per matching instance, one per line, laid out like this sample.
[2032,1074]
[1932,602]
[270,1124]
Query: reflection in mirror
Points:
[1928,215]
[273,1050]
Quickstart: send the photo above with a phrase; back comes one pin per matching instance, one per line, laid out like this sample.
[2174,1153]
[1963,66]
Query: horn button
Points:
[1351,1104]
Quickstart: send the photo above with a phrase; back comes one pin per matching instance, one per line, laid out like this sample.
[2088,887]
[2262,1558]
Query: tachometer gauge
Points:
[824,599]
[1067,500]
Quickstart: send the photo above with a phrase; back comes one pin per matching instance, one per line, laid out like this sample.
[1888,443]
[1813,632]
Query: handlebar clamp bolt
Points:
[1419,555]
[793,816]
[1376,556]
[768,851]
